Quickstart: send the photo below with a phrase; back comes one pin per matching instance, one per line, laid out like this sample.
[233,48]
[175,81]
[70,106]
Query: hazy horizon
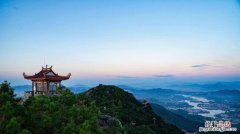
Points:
[145,43]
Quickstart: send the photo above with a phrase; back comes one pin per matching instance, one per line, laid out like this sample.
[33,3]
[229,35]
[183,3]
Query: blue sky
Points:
[138,42]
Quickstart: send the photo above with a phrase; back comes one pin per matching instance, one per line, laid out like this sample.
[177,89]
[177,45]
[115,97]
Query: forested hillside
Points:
[103,109]
[135,116]
[67,113]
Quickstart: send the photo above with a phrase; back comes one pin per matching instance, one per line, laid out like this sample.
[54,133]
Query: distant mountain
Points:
[128,88]
[23,87]
[79,88]
[134,116]
[209,86]
[176,119]
[149,91]
[19,90]
[227,92]
[159,90]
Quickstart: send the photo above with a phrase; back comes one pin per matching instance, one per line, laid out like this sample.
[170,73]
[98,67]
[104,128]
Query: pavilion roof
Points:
[47,74]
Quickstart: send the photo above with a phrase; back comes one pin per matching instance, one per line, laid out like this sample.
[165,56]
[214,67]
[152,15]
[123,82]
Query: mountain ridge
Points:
[134,115]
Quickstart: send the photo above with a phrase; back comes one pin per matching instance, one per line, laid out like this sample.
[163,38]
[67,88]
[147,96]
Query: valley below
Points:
[221,105]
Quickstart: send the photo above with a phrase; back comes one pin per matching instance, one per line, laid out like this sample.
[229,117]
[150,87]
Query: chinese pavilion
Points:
[45,82]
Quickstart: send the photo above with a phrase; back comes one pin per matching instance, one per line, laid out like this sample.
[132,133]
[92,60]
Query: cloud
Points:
[237,66]
[163,75]
[200,66]
[125,77]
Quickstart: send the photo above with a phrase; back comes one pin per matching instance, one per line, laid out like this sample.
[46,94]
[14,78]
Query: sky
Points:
[137,42]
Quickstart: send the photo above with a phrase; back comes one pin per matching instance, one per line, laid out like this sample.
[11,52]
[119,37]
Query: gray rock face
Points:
[106,121]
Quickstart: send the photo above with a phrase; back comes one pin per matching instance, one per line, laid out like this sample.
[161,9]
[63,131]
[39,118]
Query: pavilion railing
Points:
[37,93]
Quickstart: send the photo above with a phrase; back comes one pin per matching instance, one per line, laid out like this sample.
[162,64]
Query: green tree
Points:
[6,93]
[7,109]
[66,113]
[13,126]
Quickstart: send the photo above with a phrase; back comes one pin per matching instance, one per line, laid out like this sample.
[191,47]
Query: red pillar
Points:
[42,86]
[36,86]
[32,86]
[47,86]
